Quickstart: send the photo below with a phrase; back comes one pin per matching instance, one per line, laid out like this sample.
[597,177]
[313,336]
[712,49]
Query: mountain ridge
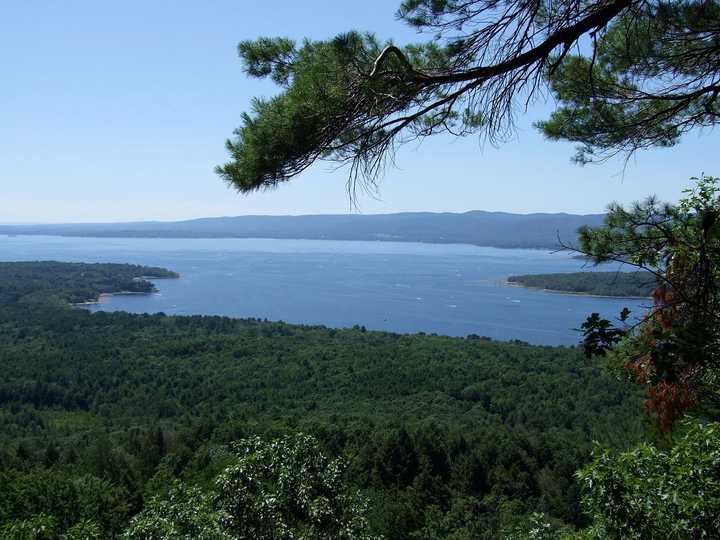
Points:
[476,227]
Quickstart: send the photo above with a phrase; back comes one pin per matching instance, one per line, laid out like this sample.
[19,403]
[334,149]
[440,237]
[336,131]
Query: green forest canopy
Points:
[42,282]
[101,412]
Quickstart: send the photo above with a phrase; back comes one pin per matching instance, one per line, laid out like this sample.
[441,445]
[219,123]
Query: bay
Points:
[449,289]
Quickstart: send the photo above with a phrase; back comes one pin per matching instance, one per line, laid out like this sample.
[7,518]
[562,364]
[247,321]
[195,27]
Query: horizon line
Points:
[348,214]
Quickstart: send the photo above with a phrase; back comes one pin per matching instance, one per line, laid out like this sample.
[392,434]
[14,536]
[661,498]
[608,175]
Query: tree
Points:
[185,512]
[279,490]
[675,349]
[37,527]
[599,335]
[642,73]
[646,492]
[651,493]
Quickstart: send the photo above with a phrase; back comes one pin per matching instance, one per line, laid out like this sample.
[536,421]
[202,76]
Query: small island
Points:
[74,283]
[616,284]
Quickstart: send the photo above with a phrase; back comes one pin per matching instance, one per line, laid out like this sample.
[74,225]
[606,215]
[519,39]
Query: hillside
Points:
[496,229]
[99,412]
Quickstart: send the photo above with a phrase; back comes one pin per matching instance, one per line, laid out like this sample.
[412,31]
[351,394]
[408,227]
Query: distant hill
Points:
[496,229]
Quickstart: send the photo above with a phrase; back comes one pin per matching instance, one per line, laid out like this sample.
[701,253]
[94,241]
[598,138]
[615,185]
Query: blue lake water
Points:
[401,287]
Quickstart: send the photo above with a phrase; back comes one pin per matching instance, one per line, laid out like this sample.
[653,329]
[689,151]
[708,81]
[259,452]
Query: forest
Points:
[101,414]
[623,284]
[62,283]
[114,425]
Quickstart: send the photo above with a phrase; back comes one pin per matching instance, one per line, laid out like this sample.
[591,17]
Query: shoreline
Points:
[574,293]
[210,237]
[103,296]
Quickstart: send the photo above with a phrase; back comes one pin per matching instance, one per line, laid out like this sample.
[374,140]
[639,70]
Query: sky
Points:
[118,111]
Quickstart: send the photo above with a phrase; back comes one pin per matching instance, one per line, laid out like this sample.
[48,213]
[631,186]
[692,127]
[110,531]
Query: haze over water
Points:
[401,287]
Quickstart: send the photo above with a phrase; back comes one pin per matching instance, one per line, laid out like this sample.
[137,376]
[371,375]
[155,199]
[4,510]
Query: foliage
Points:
[37,527]
[650,493]
[646,492]
[539,527]
[282,489]
[674,351]
[185,512]
[63,283]
[647,74]
[84,530]
[599,335]
[100,414]
[624,284]
[65,498]
[652,76]
[288,489]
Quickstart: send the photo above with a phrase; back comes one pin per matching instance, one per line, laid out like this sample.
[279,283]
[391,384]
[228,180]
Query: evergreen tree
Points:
[674,349]
[650,72]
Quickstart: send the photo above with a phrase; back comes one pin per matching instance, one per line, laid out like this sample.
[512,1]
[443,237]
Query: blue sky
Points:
[113,111]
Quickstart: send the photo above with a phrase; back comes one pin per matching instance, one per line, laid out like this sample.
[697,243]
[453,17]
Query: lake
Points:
[447,289]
